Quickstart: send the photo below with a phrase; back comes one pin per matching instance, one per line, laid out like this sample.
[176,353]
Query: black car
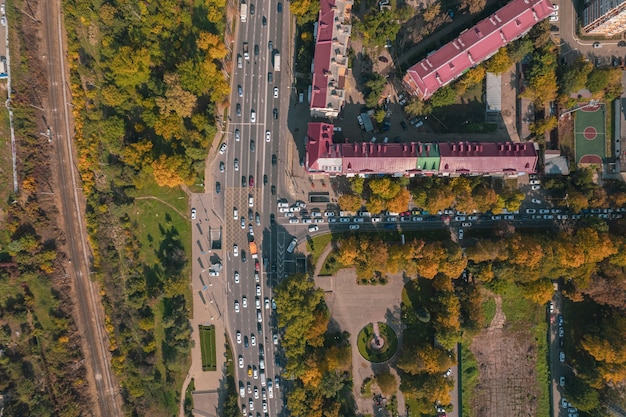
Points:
[302,161]
[275,112]
[270,77]
[264,21]
[272,218]
[238,109]
[256,49]
[218,187]
[265,179]
[250,215]
[279,7]
[244,181]
[245,342]
[273,190]
[270,46]
[404,125]
[252,9]
[243,256]
[621,44]
[274,159]
[252,146]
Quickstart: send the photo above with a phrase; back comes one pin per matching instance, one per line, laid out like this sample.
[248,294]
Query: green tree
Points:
[499,63]
[357,184]
[417,107]
[598,79]
[443,97]
[387,383]
[350,202]
[575,77]
[541,126]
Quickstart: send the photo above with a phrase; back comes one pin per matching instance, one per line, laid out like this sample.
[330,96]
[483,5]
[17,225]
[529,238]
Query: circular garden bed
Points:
[381,350]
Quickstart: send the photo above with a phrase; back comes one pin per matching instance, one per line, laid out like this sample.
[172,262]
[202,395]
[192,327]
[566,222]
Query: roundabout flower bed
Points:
[381,351]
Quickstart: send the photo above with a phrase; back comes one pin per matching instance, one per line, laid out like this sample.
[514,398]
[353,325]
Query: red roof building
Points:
[330,62]
[475,45]
[414,158]
[487,158]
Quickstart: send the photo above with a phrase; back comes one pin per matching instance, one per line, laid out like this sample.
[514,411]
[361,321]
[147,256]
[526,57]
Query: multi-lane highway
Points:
[251,175]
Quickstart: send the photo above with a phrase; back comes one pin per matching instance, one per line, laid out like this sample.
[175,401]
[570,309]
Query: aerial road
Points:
[89,312]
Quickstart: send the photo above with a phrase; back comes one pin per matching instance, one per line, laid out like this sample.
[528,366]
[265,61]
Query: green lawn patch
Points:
[489,311]
[317,244]
[469,376]
[207,348]
[540,331]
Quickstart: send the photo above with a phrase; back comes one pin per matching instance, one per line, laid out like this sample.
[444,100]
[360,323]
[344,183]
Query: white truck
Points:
[277,61]
[244,12]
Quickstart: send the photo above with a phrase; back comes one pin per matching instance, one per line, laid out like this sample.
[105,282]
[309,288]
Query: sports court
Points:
[589,129]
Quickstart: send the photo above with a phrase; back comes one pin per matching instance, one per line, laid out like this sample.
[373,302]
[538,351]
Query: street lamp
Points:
[592,103]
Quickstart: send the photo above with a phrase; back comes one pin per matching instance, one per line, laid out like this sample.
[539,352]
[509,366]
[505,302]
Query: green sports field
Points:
[589,128]
[207,348]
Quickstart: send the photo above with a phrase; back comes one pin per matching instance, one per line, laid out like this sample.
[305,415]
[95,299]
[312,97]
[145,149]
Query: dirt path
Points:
[507,382]
[151,197]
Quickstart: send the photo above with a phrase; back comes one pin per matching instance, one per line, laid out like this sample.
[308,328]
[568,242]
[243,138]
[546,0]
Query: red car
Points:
[251,181]
[257,267]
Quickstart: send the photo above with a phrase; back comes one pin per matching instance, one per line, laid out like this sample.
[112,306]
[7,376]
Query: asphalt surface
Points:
[566,28]
[89,309]
[255,161]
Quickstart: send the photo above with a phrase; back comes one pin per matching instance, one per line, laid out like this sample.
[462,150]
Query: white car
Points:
[236,277]
[241,361]
[265,406]
[275,92]
[461,234]
[243,223]
[253,340]
[268,136]
[251,230]
[242,390]
[354,227]
[237,135]
[250,200]
[313,228]
[238,337]
[256,393]
[236,306]
[275,338]
[252,116]
[244,301]
[329,213]
[554,17]
[236,164]
[535,201]
[267,303]
[293,220]
[258,290]
[223,148]
[235,250]
[193,214]
[235,213]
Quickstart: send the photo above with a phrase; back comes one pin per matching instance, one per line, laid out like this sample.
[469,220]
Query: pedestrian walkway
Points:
[354,306]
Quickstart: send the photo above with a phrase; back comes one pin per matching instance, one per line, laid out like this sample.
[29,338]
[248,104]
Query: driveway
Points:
[352,307]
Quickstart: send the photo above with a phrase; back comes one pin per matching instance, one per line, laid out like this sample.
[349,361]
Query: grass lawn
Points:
[207,348]
[317,244]
[489,311]
[469,376]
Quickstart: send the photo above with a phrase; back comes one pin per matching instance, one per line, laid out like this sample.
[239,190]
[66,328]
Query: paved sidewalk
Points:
[354,306]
